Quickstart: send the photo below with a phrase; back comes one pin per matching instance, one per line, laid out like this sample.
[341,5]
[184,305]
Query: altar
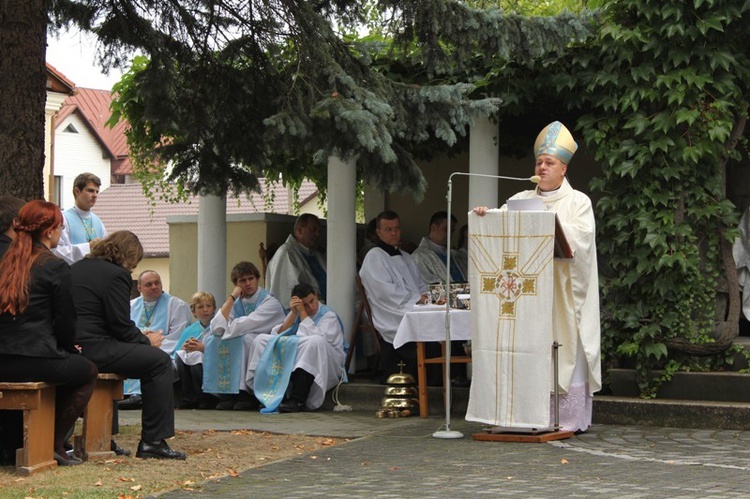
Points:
[427,323]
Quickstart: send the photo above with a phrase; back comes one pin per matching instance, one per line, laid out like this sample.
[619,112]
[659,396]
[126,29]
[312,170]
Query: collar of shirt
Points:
[436,247]
[81,213]
[391,250]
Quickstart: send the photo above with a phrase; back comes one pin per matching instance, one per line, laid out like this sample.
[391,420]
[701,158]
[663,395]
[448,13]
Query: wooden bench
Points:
[95,440]
[37,401]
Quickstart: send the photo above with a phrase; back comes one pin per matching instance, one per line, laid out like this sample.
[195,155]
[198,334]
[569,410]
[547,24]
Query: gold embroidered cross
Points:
[509,284]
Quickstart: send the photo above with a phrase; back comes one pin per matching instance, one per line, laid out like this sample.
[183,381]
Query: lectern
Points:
[511,258]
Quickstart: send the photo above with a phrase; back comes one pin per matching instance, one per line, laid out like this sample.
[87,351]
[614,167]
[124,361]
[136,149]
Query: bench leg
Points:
[97,421]
[37,453]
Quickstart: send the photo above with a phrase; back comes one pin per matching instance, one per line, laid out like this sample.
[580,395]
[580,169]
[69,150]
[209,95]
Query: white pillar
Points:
[212,246]
[483,158]
[341,244]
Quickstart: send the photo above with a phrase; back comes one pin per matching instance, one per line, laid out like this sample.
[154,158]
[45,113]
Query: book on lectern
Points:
[562,247]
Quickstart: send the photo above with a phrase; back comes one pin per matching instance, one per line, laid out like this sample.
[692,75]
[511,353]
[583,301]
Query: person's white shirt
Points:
[70,250]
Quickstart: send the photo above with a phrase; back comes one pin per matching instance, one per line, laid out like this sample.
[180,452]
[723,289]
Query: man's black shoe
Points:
[120,451]
[246,402]
[247,405]
[187,404]
[158,450]
[291,405]
[226,402]
[461,382]
[208,402]
[131,403]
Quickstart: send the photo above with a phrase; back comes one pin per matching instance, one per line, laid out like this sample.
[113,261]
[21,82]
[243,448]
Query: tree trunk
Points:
[23,39]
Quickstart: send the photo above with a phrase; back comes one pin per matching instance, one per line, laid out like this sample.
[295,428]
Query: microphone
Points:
[534,178]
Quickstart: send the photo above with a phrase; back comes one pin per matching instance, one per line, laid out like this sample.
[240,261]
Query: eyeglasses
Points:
[62,226]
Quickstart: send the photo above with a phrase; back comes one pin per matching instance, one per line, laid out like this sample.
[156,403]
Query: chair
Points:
[263,255]
[362,322]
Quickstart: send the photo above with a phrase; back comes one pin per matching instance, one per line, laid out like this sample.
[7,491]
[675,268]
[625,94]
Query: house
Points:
[168,231]
[58,88]
[83,143]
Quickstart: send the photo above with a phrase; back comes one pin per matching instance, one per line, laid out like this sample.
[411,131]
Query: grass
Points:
[212,455]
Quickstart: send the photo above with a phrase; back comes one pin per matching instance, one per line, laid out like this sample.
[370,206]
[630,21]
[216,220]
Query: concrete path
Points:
[401,458]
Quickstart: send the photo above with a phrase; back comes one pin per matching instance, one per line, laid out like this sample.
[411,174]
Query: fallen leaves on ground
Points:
[129,477]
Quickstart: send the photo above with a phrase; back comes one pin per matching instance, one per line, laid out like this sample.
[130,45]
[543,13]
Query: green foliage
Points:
[666,85]
[235,90]
[533,7]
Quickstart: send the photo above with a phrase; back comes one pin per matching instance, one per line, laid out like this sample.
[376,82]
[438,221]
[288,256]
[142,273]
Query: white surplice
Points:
[320,352]
[393,285]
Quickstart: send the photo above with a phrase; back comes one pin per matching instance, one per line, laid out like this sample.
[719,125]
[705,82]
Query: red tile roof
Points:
[58,82]
[125,207]
[93,105]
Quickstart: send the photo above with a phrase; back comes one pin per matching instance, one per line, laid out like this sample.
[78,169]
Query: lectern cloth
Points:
[511,276]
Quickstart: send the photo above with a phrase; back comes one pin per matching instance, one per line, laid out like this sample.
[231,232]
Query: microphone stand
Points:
[448,433]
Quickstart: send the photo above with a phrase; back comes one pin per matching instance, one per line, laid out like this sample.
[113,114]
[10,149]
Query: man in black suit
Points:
[9,206]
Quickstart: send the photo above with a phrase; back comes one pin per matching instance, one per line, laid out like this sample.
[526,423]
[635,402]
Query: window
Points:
[70,129]
[57,186]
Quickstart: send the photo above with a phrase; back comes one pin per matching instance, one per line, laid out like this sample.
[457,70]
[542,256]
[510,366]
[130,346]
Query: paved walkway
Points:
[401,458]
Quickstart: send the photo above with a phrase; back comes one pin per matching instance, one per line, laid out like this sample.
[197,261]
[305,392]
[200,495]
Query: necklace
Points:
[88,226]
[148,314]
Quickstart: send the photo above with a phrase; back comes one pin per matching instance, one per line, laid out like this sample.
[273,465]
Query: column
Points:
[212,246]
[341,244]
[484,155]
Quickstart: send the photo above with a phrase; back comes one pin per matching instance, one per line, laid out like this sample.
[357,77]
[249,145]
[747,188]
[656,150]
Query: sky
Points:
[74,55]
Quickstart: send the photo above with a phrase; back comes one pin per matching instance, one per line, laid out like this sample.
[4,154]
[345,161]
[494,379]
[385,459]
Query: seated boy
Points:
[189,350]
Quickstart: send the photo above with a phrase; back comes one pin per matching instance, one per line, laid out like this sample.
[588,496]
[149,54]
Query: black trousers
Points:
[154,368]
[300,383]
[191,378]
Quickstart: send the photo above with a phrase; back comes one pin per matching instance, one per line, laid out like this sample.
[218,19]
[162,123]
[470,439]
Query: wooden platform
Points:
[535,438]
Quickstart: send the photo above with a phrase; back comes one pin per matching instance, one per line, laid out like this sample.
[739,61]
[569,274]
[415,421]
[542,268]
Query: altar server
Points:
[248,311]
[82,226]
[309,347]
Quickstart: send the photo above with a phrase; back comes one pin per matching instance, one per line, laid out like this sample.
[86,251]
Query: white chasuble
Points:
[511,276]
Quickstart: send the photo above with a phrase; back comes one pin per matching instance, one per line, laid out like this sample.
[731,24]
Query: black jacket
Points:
[101,291]
[4,244]
[48,325]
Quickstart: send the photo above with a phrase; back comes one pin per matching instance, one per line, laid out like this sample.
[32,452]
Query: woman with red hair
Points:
[38,319]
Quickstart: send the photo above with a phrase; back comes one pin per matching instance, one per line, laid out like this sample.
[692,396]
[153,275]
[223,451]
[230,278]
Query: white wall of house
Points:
[53,104]
[76,153]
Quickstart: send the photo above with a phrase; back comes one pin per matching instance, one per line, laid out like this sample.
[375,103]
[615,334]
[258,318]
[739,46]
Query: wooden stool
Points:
[37,401]
[95,440]
[424,409]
